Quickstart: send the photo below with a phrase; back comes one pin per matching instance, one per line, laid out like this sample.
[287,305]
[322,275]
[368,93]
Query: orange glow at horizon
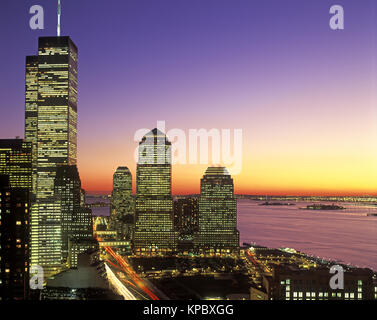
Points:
[281,175]
[306,150]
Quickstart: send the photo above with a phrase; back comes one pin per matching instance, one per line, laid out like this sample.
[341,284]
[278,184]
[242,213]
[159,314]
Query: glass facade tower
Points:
[154,233]
[122,204]
[51,125]
[31,111]
[76,219]
[218,232]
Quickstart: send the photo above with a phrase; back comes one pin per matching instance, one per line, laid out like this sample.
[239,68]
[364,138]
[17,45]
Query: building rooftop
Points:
[217,171]
[85,276]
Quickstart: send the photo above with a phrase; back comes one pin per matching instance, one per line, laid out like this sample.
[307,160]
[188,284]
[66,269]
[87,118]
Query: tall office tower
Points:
[82,227]
[14,241]
[122,204]
[67,188]
[186,214]
[15,190]
[31,111]
[16,162]
[218,232]
[154,232]
[55,135]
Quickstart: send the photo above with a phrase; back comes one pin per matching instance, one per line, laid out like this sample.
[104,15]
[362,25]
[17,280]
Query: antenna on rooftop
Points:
[59,14]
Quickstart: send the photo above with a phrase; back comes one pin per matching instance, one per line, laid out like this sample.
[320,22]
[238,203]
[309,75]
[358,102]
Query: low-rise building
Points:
[291,283]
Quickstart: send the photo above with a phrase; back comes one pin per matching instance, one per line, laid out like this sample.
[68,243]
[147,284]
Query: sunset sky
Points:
[304,95]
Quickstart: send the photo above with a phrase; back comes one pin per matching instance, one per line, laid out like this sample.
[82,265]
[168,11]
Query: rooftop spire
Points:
[59,14]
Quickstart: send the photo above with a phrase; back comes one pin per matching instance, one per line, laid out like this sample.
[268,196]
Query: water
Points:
[349,236]
[99,211]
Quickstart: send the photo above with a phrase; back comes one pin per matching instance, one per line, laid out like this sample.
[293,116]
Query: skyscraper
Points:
[154,232]
[15,190]
[14,241]
[51,125]
[122,204]
[218,232]
[31,111]
[16,162]
[76,220]
[186,212]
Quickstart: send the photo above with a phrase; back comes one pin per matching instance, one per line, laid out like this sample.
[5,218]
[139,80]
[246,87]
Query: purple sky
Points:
[260,65]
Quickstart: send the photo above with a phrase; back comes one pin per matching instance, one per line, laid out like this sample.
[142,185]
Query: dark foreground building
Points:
[14,241]
[292,283]
[186,214]
[87,282]
[76,219]
[15,187]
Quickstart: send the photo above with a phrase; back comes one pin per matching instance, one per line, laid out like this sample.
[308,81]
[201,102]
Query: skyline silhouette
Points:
[303,94]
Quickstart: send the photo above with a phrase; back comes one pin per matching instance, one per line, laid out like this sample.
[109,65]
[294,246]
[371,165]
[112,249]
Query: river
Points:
[349,235]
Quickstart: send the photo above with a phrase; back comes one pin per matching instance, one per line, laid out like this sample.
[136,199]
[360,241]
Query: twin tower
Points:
[148,219]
